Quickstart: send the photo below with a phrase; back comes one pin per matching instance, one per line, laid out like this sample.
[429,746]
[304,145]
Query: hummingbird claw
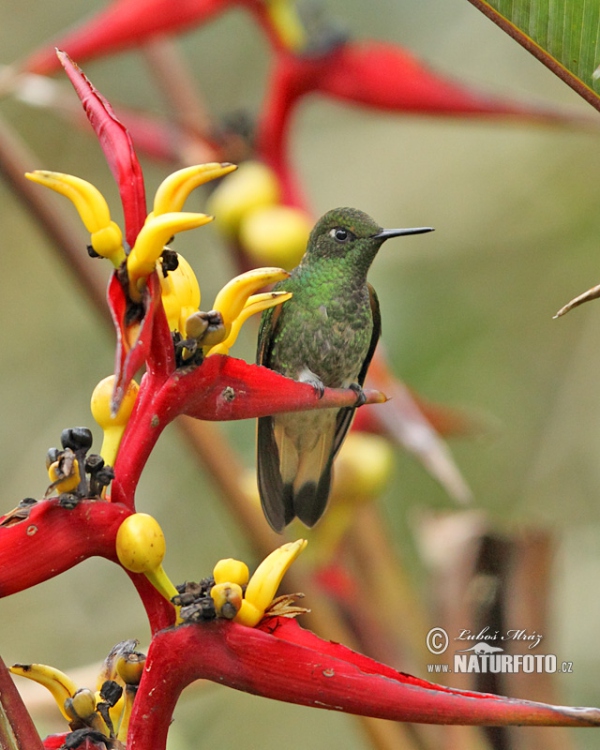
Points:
[308,377]
[360,394]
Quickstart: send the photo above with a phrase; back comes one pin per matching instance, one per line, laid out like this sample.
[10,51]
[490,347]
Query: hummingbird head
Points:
[350,233]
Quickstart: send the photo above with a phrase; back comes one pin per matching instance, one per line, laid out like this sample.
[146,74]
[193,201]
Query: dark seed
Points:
[76,438]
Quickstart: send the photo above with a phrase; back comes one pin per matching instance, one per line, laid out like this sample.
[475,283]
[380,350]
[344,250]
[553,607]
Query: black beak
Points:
[385,234]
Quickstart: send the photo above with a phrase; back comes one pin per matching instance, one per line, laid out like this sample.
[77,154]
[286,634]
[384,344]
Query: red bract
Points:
[53,539]
[116,145]
[134,338]
[129,23]
[280,660]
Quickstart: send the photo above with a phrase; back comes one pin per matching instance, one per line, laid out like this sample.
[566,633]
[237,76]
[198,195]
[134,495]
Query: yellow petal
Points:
[140,543]
[256,303]
[60,685]
[263,585]
[229,570]
[174,190]
[113,427]
[106,237]
[231,299]
[151,241]
[87,199]
[276,235]
[180,294]
[254,184]
[141,548]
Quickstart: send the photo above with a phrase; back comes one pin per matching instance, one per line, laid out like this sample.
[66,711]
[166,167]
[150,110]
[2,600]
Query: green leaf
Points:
[563,34]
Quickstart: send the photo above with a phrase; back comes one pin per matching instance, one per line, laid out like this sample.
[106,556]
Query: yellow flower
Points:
[231,576]
[113,426]
[109,708]
[216,331]
[236,302]
[141,548]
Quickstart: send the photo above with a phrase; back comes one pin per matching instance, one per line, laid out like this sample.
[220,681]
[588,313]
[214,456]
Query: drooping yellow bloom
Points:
[141,548]
[106,237]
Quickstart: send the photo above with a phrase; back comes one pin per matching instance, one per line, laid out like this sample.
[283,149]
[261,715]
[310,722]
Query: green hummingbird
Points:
[325,335]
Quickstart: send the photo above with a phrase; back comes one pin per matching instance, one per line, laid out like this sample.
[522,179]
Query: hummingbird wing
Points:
[345,416]
[277,503]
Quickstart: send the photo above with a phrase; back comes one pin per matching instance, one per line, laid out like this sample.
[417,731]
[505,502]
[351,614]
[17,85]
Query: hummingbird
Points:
[325,335]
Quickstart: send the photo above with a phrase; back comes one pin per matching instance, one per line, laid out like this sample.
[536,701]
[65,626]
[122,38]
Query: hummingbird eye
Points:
[341,235]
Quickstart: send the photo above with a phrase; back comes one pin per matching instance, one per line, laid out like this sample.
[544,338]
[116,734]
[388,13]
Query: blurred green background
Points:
[467,321]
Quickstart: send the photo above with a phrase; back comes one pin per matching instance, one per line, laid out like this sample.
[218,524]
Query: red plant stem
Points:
[17,730]
[178,86]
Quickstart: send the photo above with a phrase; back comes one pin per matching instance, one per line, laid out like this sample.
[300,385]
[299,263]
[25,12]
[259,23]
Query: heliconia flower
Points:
[106,238]
[173,344]
[263,584]
[113,425]
[141,547]
[376,75]
[128,23]
[252,216]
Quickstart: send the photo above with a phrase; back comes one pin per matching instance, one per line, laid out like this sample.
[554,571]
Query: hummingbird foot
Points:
[308,377]
[360,394]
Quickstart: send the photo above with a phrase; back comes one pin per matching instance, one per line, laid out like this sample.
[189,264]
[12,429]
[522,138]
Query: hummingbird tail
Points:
[291,482]
[312,480]
[275,498]
[311,499]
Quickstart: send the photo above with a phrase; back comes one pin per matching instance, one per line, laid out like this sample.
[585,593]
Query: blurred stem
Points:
[17,731]
[383,576]
[173,78]
[15,160]
[526,606]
